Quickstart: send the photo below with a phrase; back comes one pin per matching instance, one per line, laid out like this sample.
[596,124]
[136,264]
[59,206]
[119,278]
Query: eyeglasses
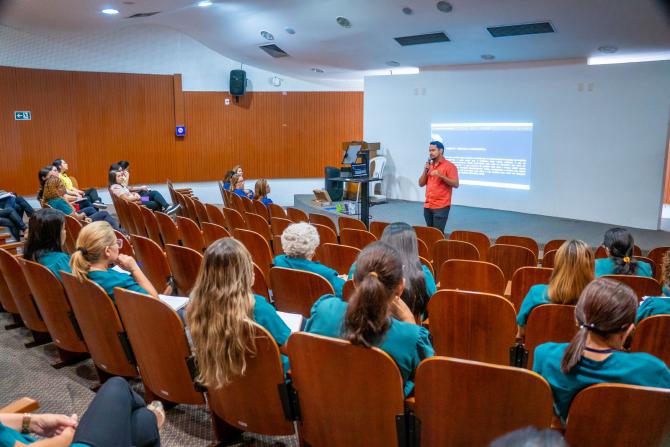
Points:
[119,242]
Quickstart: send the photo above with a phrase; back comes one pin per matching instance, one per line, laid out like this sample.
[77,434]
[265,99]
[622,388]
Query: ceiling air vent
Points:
[142,14]
[273,50]
[521,30]
[422,39]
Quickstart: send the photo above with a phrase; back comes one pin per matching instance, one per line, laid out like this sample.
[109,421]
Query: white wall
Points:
[148,49]
[597,155]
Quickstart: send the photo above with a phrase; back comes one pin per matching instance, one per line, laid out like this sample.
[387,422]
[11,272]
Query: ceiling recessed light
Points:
[393,63]
[488,57]
[290,30]
[608,49]
[267,36]
[110,11]
[205,3]
[407,10]
[444,6]
[343,22]
[317,70]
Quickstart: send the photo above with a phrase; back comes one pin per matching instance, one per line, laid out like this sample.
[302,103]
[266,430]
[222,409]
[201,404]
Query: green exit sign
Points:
[22,116]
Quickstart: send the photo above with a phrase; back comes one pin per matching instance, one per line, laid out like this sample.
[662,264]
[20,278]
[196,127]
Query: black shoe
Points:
[172,209]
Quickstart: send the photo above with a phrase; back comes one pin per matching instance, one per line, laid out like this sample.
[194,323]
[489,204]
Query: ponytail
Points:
[80,265]
[574,351]
[619,242]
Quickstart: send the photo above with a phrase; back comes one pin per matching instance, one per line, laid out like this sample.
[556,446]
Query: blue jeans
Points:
[436,217]
[96,215]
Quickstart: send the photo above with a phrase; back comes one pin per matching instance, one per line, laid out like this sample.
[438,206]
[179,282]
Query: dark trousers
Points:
[92,195]
[16,222]
[22,207]
[117,417]
[156,200]
[436,217]
[11,226]
[96,215]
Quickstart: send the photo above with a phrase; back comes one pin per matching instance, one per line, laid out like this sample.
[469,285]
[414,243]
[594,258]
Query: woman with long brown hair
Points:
[605,314]
[367,319]
[573,270]
[223,311]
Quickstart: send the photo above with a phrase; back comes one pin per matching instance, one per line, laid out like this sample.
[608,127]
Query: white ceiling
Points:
[232,28]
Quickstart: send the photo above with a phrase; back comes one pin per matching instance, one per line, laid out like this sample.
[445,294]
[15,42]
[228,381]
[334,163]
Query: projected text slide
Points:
[488,154]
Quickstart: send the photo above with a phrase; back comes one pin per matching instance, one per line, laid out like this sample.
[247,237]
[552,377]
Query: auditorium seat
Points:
[278,225]
[261,210]
[9,305]
[260,285]
[349,395]
[190,234]
[258,246]
[479,240]
[153,262]
[423,249]
[277,211]
[138,221]
[525,278]
[651,336]
[160,346]
[101,328]
[429,236]
[296,215]
[126,247]
[238,204]
[151,225]
[548,259]
[320,219]
[189,208]
[651,263]
[472,325]
[549,323]
[326,234]
[122,213]
[356,238]
[215,215]
[212,232]
[277,249]
[168,229]
[22,405]
[553,244]
[428,265]
[452,249]
[72,229]
[468,403]
[201,212]
[248,205]
[295,291]
[234,219]
[475,276]
[259,225]
[348,289]
[617,415]
[337,257]
[601,251]
[510,258]
[350,222]
[656,255]
[522,241]
[377,228]
[252,402]
[642,285]
[223,192]
[184,265]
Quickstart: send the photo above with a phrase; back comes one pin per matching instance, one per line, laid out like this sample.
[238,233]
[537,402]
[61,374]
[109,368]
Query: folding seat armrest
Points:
[23,405]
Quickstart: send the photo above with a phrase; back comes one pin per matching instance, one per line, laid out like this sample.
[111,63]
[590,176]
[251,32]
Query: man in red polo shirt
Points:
[439,176]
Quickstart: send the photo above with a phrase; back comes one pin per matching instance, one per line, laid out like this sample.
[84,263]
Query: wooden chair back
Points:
[548,259]
[289,298]
[601,251]
[248,205]
[651,336]
[525,278]
[479,240]
[212,232]
[642,285]
[472,325]
[252,402]
[72,229]
[237,203]
[223,192]
[656,255]
[491,401]
[259,248]
[190,234]
[475,276]
[18,287]
[153,262]
[151,225]
[447,249]
[340,406]
[510,258]
[260,286]
[7,299]
[184,264]
[321,219]
[169,230]
[521,241]
[553,244]
[326,234]
[121,208]
[277,249]
[356,238]
[428,264]
[201,211]
[101,327]
[234,219]
[350,222]
[549,323]
[429,236]
[261,210]
[597,417]
[138,220]
[215,215]
[278,225]
[160,346]
[423,249]
[348,289]
[190,209]
[338,257]
[377,228]
[54,307]
[126,247]
[259,225]
[277,211]
[296,215]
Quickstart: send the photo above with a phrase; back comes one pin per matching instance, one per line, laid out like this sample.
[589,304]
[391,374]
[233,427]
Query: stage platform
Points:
[495,223]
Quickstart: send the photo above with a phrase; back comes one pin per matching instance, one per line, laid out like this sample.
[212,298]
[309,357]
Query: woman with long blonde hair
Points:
[573,270]
[222,313]
[97,248]
[261,191]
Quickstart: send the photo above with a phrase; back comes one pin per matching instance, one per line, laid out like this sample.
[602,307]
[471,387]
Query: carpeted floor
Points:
[27,372]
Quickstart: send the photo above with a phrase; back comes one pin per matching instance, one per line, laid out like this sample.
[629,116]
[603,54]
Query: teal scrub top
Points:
[266,315]
[111,278]
[311,266]
[431,287]
[666,290]
[636,368]
[56,261]
[654,305]
[605,266]
[61,205]
[9,436]
[406,343]
[536,296]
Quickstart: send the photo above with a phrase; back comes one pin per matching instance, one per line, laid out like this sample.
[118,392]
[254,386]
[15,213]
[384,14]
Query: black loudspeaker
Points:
[238,82]
[335,189]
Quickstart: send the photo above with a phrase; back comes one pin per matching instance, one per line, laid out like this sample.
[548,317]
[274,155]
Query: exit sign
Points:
[22,115]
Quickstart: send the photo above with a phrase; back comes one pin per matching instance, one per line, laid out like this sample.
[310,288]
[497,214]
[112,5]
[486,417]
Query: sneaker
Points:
[172,209]
[99,205]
